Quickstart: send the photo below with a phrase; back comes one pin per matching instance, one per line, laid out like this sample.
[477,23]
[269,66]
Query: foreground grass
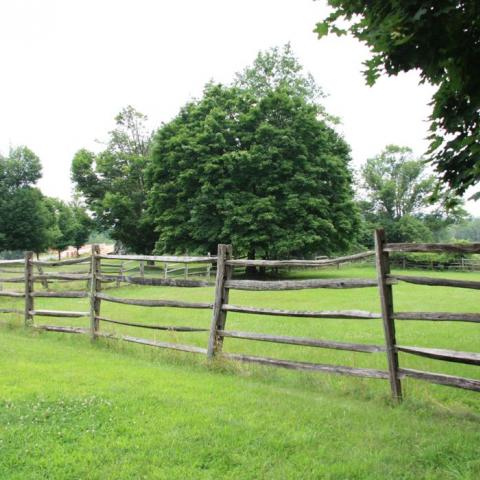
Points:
[69,409]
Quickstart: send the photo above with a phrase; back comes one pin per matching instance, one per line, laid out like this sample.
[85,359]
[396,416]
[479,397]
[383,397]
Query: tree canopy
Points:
[442,40]
[25,223]
[396,188]
[113,185]
[278,68]
[263,173]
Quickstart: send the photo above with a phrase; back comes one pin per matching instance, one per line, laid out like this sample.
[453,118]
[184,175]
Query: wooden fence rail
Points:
[109,272]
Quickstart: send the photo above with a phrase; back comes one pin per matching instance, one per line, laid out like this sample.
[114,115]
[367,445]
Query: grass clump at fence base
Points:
[73,410]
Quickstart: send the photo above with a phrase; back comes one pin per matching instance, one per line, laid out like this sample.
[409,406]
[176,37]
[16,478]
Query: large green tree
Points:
[262,172]
[441,39]
[112,182]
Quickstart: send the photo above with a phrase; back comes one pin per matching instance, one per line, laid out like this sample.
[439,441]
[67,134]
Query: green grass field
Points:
[71,409]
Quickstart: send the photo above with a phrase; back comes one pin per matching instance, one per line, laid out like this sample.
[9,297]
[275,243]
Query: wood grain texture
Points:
[441,354]
[293,365]
[440,282]
[172,328]
[95,288]
[299,263]
[438,316]
[28,288]
[432,247]
[62,276]
[308,342]
[7,293]
[163,259]
[382,263]
[12,279]
[343,314]
[172,346]
[441,379]
[161,282]
[224,273]
[263,285]
[153,303]
[64,294]
[58,313]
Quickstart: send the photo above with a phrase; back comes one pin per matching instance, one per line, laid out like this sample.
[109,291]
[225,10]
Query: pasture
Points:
[110,410]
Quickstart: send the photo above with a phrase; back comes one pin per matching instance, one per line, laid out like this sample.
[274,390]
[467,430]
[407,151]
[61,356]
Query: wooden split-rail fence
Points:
[221,306]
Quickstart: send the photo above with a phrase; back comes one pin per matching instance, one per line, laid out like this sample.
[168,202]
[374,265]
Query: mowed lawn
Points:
[70,409]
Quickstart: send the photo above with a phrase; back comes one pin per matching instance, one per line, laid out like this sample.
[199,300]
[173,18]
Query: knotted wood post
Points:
[219,316]
[386,300]
[120,274]
[29,306]
[95,287]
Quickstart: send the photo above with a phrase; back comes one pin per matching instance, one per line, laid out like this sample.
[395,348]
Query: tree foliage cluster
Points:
[28,219]
[255,163]
[112,182]
[441,39]
[395,191]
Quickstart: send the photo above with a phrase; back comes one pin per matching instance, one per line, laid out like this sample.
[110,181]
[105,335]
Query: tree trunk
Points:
[251,270]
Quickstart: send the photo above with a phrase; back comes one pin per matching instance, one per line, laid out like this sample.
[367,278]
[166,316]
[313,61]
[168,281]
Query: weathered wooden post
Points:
[386,300]
[29,306]
[165,271]
[95,287]
[209,268]
[43,279]
[120,274]
[142,269]
[219,316]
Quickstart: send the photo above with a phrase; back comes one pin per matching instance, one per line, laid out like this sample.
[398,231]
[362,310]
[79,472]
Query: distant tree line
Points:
[30,220]
[257,163]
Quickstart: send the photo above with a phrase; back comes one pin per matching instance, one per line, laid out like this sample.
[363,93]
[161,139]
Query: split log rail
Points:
[126,272]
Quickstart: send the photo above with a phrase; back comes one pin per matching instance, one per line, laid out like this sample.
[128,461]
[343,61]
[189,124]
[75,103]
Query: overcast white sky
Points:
[70,66]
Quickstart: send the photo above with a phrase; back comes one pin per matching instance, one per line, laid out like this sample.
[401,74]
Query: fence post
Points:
[209,268]
[219,317]
[95,287]
[44,280]
[386,300]
[142,269]
[28,289]
[120,274]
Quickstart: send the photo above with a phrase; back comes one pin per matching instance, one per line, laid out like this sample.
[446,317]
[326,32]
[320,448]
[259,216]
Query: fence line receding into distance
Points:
[101,272]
